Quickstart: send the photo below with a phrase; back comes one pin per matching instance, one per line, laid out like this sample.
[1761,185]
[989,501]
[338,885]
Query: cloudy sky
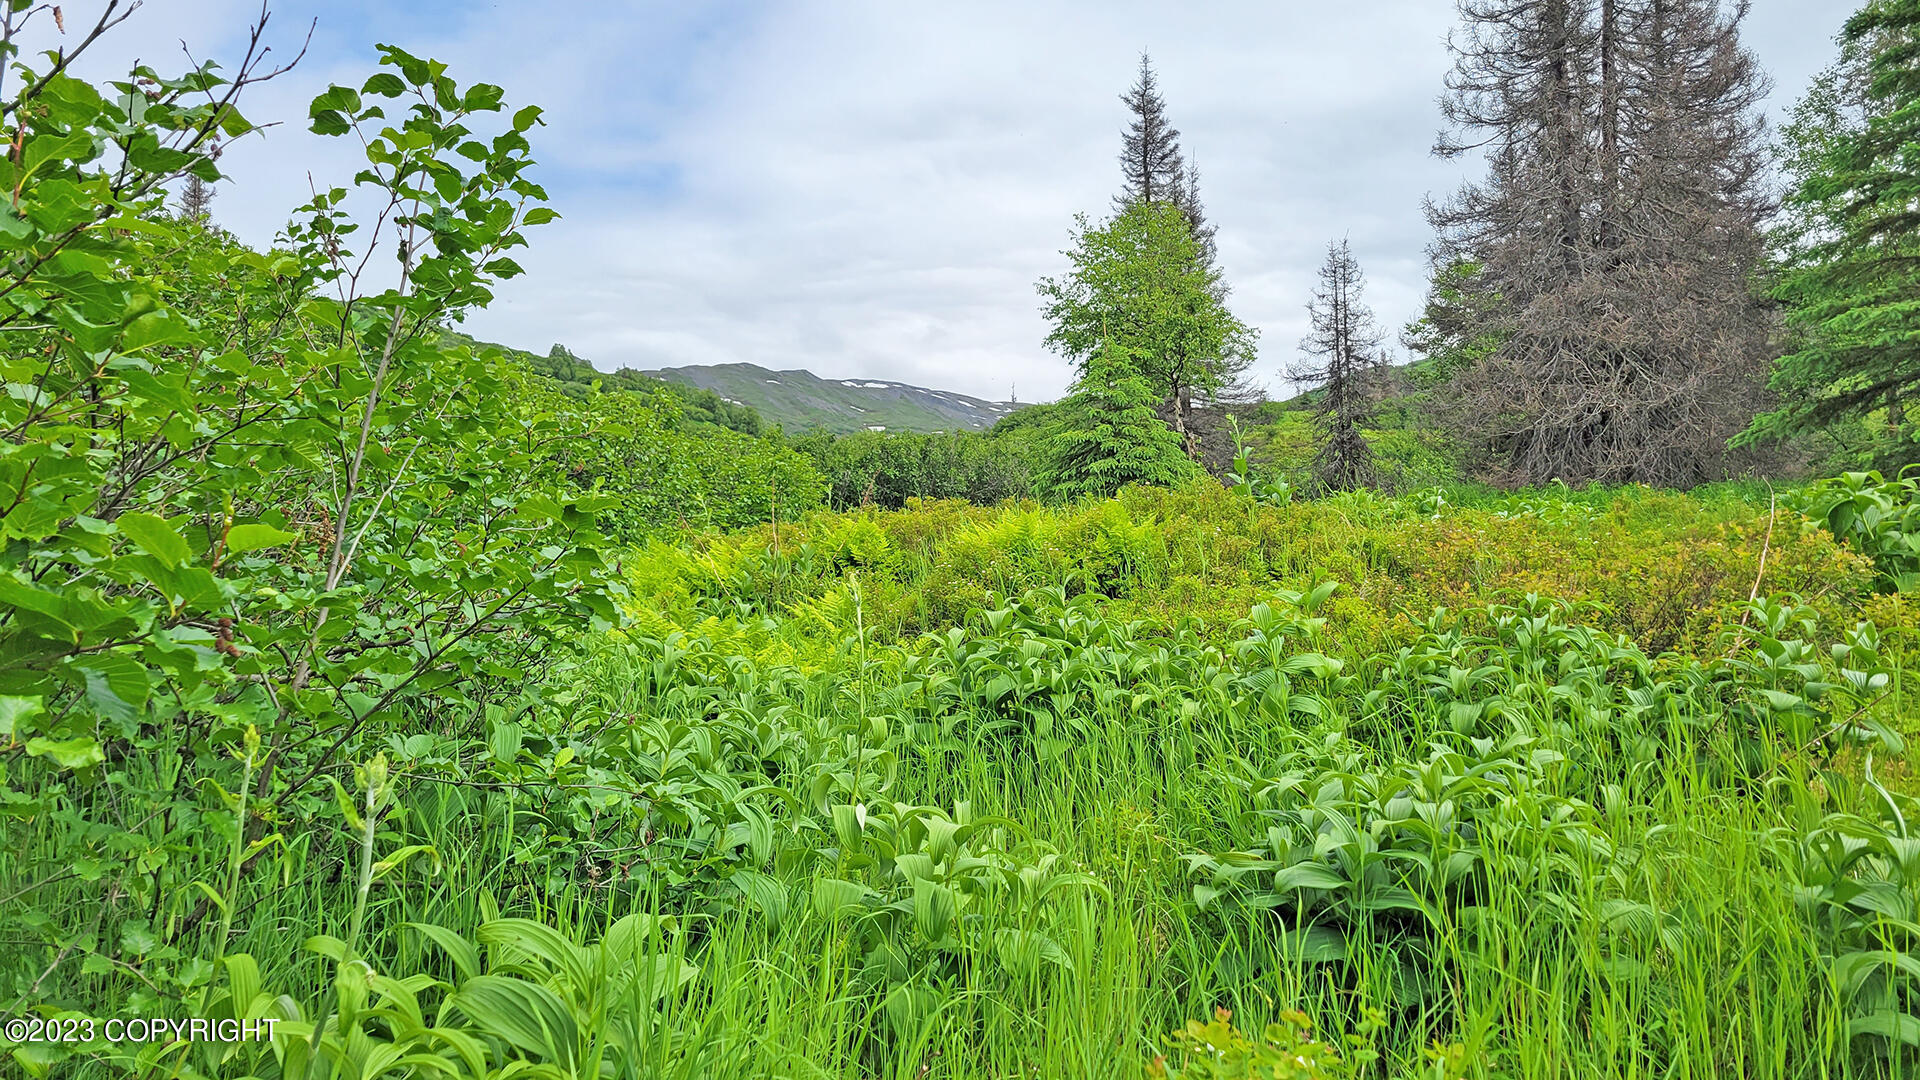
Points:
[870,189]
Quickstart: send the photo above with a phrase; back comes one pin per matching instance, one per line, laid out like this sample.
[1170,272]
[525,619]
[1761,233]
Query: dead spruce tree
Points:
[1190,204]
[1614,240]
[1343,358]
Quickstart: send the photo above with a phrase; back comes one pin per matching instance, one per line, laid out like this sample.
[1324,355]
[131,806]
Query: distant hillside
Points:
[802,401]
[576,376]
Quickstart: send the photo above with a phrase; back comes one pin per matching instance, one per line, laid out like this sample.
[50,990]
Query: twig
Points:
[1754,593]
[35,988]
[1827,734]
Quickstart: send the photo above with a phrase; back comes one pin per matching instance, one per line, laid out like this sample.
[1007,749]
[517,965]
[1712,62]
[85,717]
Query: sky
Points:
[871,188]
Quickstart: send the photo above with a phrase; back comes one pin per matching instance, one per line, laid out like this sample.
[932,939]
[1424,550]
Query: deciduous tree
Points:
[1137,280]
[258,507]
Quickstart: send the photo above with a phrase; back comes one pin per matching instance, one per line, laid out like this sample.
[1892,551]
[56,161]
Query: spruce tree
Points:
[1196,213]
[1851,243]
[1614,241]
[1107,434]
[1343,356]
[1153,169]
[1150,162]
[196,196]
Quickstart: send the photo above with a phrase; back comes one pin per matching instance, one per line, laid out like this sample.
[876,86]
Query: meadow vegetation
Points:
[472,717]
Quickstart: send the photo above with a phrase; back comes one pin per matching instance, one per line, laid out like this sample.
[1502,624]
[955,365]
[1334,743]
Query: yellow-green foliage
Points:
[1665,568]
[1286,1050]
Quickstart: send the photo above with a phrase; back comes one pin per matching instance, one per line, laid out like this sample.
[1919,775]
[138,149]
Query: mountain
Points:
[801,400]
[575,377]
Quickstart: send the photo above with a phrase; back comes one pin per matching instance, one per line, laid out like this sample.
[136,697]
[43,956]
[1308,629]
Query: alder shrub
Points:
[257,513]
[871,468]
[654,474]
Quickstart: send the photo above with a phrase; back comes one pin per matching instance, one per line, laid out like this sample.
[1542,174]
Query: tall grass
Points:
[1644,896]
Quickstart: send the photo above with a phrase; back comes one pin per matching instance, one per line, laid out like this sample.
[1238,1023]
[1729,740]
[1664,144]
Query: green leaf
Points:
[1313,945]
[14,710]
[328,946]
[933,909]
[1781,701]
[155,537]
[75,753]
[763,891]
[1307,875]
[1023,951]
[1852,969]
[338,98]
[538,940]
[155,328]
[483,97]
[243,979]
[329,122]
[253,536]
[526,1015]
[384,84]
[399,857]
[465,957]
[540,507]
[905,1007]
[116,684]
[232,124]
[1887,1024]
[833,897]
[24,595]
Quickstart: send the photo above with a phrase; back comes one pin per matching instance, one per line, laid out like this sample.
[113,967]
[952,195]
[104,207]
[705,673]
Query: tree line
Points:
[1638,288]
[1628,293]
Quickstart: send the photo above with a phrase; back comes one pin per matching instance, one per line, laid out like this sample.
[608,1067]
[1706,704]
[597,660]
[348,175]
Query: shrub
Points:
[1665,569]
[257,518]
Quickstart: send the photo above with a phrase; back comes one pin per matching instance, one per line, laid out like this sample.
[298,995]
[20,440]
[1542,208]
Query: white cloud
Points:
[869,190]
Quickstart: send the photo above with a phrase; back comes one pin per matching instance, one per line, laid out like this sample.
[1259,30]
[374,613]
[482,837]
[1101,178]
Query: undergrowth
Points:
[773,828]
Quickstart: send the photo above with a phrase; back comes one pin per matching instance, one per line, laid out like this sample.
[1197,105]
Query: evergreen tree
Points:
[196,196]
[1850,240]
[1107,434]
[1150,151]
[1153,169]
[1196,214]
[1343,351]
[1137,281]
[1231,381]
[1452,330]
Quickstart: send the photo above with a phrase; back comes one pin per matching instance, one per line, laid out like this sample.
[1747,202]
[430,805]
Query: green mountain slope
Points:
[575,376]
[802,401]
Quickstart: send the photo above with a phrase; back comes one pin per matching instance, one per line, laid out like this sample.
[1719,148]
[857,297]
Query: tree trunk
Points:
[1609,123]
[1566,135]
[1189,438]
